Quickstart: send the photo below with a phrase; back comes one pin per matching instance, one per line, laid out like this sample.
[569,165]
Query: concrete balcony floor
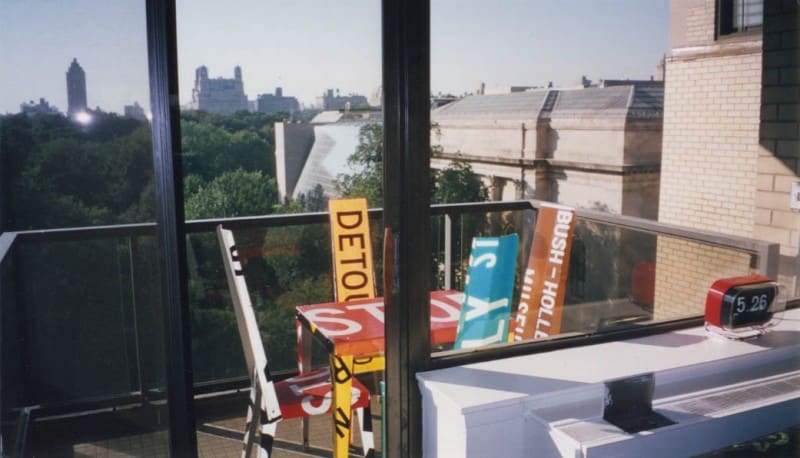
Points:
[221,438]
[216,438]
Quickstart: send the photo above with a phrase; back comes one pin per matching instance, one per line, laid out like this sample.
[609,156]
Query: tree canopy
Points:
[457,183]
[367,162]
[60,174]
[234,193]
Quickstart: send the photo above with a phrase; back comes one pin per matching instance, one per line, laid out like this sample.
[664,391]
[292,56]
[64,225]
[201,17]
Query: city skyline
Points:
[313,46]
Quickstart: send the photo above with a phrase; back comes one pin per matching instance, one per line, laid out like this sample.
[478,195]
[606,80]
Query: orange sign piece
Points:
[352,250]
[544,282]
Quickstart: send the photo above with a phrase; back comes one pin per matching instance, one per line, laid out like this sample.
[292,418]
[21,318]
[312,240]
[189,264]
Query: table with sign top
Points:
[353,334]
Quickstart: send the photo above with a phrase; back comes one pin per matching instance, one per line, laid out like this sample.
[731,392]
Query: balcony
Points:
[82,342]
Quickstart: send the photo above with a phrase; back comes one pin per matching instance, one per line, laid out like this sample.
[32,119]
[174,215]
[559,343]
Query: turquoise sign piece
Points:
[486,309]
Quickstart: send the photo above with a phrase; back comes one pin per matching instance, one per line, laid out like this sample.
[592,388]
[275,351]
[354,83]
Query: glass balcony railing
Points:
[81,308]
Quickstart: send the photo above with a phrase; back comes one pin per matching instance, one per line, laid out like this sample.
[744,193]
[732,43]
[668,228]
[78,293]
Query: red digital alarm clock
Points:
[741,307]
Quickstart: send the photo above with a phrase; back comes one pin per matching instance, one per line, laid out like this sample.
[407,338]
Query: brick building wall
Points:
[730,151]
[685,270]
[700,21]
[710,151]
[779,157]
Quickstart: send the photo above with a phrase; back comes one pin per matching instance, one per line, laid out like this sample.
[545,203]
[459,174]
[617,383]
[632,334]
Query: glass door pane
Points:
[82,354]
[275,99]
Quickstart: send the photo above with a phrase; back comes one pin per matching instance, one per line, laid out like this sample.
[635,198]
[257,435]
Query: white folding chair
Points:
[270,401]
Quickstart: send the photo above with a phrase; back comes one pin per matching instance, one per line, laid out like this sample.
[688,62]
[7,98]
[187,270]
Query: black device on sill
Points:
[628,404]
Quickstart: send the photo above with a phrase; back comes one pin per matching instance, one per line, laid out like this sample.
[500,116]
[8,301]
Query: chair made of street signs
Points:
[271,401]
[353,279]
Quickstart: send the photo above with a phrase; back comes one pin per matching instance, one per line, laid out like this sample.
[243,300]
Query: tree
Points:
[67,175]
[209,150]
[367,163]
[456,183]
[234,193]
[316,200]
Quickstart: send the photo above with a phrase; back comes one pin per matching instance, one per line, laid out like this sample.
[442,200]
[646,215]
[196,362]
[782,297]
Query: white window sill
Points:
[550,404]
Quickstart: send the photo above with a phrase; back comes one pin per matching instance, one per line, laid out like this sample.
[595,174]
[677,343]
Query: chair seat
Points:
[310,394]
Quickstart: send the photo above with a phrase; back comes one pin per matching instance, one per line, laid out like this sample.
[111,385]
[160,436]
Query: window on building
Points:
[735,16]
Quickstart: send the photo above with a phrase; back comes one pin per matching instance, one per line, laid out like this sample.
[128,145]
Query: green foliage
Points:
[209,151]
[457,183]
[278,333]
[294,253]
[234,193]
[213,144]
[314,201]
[58,174]
[367,163]
[222,158]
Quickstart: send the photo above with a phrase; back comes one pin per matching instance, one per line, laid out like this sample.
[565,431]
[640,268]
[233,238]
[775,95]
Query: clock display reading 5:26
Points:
[747,305]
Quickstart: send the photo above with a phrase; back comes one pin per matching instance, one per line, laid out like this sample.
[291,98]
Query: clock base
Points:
[752,332]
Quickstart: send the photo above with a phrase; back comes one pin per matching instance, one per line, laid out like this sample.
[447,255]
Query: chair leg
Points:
[267,431]
[249,433]
[253,418]
[364,415]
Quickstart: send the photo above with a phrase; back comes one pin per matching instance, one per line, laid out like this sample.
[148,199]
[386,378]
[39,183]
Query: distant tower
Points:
[76,89]
[237,73]
[201,74]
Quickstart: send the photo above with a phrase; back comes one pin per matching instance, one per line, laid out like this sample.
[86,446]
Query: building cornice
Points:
[723,47]
[552,164]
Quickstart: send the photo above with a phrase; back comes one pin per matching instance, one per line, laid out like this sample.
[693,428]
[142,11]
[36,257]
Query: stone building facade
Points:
[730,150]
[135,111]
[218,95]
[333,101]
[311,154]
[42,108]
[277,103]
[597,147]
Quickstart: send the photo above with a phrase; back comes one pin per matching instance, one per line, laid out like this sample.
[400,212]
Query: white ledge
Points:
[553,401]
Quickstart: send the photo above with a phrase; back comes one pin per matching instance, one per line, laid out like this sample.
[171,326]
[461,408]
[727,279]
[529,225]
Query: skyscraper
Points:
[76,89]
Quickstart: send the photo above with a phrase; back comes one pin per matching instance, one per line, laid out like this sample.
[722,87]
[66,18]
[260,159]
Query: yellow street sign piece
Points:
[352,251]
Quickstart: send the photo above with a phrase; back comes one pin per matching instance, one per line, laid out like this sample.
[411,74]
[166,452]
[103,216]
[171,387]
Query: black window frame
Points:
[725,26]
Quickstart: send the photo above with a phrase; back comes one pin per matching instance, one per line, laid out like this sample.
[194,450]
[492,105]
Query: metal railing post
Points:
[132,250]
[448,251]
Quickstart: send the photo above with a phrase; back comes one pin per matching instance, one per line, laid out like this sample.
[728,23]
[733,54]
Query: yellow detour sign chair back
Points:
[354,279]
[353,270]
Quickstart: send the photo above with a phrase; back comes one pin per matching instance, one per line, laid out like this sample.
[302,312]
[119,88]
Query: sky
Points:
[308,46]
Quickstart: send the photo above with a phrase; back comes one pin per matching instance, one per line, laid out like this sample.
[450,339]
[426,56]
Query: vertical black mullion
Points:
[406,197]
[163,64]
[724,17]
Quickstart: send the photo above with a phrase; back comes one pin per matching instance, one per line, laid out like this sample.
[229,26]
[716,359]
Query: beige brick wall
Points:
[712,108]
[779,157]
[685,270]
[700,22]
[710,149]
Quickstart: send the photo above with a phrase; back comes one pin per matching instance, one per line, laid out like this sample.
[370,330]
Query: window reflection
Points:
[81,316]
